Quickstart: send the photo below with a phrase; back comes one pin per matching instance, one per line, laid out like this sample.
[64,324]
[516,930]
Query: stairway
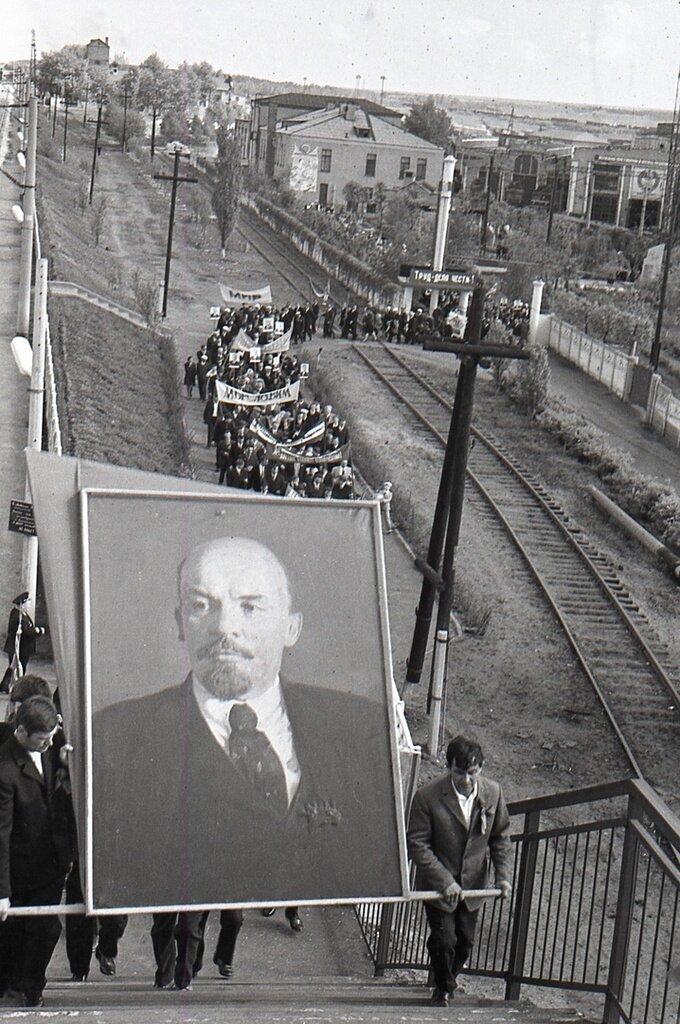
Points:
[332,1000]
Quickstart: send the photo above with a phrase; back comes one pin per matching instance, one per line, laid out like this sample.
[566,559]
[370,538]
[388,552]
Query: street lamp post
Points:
[382,87]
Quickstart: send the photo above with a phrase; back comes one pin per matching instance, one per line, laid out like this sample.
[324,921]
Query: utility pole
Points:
[125,101]
[87,96]
[63,154]
[175,179]
[95,149]
[487,203]
[671,214]
[382,87]
[153,131]
[26,264]
[54,115]
[553,199]
[438,571]
[29,573]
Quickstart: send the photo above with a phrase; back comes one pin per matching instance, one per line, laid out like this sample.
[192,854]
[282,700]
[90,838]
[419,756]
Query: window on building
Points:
[605,192]
[371,160]
[325,162]
[405,167]
[421,170]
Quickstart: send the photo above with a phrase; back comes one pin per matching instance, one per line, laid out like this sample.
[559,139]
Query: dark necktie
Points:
[256,760]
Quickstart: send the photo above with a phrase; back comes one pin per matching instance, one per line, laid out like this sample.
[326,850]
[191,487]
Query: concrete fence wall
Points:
[613,369]
[663,412]
[603,363]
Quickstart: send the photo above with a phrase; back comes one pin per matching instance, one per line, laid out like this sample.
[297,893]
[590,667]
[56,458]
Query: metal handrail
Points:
[595,908]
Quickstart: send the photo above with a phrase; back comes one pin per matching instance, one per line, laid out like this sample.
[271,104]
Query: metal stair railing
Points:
[594,906]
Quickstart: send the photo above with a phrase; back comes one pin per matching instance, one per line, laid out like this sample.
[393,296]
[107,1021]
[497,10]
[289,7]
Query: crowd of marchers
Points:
[291,448]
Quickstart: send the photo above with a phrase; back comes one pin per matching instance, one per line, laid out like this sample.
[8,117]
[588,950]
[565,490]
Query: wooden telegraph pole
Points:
[439,571]
[125,103]
[176,180]
[95,150]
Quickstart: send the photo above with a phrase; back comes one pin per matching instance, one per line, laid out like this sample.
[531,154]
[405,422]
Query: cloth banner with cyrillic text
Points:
[236,297]
[315,434]
[285,454]
[281,344]
[234,396]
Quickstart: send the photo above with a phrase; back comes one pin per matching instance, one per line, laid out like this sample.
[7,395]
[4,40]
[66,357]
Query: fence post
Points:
[384,936]
[522,909]
[625,905]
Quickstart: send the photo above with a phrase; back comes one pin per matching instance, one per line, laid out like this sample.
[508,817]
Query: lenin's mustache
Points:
[221,646]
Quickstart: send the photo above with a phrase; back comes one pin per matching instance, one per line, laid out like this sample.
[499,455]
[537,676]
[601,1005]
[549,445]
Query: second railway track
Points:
[628,666]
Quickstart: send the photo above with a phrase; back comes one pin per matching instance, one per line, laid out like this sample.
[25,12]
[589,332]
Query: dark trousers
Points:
[450,943]
[82,931]
[230,926]
[7,678]
[27,943]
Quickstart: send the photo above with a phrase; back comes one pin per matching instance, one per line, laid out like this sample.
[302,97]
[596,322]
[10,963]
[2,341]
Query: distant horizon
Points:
[610,54]
[370,93]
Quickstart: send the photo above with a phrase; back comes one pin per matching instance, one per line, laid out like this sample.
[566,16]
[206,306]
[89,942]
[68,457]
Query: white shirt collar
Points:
[36,758]
[272,720]
[466,802]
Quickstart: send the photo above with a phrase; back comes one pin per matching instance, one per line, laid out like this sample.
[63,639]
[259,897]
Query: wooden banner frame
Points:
[381,583]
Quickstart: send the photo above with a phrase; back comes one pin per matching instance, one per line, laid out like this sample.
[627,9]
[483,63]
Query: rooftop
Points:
[313,101]
[351,122]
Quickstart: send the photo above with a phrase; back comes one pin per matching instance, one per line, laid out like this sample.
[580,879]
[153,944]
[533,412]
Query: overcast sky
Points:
[620,52]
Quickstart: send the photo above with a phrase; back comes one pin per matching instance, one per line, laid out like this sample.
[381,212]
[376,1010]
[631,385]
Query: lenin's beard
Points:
[224,678]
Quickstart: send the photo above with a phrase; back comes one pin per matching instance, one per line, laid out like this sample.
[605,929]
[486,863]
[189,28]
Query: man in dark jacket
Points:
[457,822]
[34,851]
[29,633]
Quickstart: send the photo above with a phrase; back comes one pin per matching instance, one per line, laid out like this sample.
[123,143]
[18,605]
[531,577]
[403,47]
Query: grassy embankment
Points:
[117,383]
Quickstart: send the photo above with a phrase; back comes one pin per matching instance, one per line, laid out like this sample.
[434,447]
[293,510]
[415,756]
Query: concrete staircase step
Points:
[295,1001]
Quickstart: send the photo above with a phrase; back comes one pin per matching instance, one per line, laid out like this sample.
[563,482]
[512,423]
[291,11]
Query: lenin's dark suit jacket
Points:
[445,850]
[174,821]
[34,841]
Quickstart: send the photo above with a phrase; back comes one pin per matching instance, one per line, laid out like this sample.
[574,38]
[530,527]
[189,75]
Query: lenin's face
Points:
[236,617]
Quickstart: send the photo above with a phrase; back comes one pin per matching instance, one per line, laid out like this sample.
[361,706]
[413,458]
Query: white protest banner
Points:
[284,454]
[236,297]
[242,342]
[281,344]
[234,396]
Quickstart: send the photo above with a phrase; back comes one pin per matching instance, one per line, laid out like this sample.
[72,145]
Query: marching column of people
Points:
[293,447]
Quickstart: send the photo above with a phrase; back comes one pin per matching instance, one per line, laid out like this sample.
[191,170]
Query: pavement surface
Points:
[624,423]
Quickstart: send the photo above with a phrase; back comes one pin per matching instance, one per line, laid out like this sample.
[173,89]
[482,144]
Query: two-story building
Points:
[267,112]
[322,151]
[97,52]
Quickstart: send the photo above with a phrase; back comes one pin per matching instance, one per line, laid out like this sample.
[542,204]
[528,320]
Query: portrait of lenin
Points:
[236,783]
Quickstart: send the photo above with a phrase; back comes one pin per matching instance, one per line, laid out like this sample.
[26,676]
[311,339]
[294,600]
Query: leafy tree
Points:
[153,82]
[227,184]
[430,123]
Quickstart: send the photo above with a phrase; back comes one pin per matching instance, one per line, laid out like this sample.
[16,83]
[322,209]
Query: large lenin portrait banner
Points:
[240,736]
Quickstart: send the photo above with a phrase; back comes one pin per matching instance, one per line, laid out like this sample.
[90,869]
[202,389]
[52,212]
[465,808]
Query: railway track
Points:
[274,251]
[630,669]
